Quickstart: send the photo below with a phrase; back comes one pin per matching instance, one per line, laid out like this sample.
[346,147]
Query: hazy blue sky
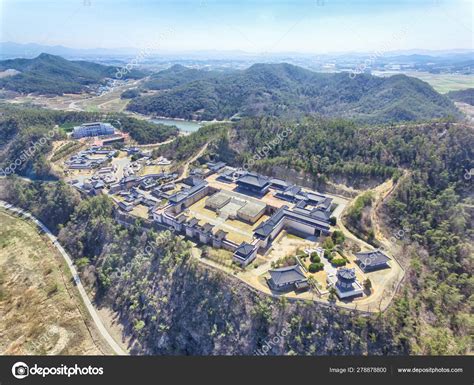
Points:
[254,26]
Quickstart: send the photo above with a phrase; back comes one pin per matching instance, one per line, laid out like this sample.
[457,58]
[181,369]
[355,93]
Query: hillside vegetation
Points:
[177,75]
[289,91]
[53,75]
[463,96]
[40,312]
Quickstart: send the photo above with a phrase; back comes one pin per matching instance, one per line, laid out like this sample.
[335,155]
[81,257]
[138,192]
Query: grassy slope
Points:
[39,312]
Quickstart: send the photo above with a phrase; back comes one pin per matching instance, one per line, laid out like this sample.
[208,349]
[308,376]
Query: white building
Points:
[93,129]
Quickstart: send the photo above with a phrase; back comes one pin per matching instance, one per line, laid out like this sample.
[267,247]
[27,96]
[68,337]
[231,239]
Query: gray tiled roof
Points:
[375,257]
[346,273]
[220,234]
[265,228]
[192,222]
[287,275]
[244,250]
[254,179]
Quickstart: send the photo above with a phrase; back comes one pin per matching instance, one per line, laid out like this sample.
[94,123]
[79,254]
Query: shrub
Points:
[130,94]
[82,262]
[338,261]
[315,258]
[333,221]
[338,237]
[289,260]
[328,254]
[314,267]
[328,244]
[368,285]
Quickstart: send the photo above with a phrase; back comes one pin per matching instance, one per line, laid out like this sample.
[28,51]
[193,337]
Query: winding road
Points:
[91,309]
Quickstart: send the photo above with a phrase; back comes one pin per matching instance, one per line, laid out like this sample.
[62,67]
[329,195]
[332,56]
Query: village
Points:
[277,237]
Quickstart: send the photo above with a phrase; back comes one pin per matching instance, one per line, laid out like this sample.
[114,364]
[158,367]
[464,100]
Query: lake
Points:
[183,125]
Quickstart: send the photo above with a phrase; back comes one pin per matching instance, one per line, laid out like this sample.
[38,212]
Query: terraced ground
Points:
[40,312]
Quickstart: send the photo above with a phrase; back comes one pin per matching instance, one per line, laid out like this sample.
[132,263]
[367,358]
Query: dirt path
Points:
[184,173]
[381,298]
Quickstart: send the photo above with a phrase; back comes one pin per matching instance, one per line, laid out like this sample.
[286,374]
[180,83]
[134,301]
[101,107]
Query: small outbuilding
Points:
[287,278]
[372,260]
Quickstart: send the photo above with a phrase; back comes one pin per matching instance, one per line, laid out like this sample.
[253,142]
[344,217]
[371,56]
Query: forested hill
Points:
[463,96]
[289,91]
[54,75]
[178,75]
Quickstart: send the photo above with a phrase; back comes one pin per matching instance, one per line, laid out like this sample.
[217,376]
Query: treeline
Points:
[358,218]
[51,202]
[177,75]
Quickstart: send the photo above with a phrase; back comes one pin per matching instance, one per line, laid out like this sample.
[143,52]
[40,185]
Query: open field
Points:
[107,102]
[40,312]
[154,169]
[444,83]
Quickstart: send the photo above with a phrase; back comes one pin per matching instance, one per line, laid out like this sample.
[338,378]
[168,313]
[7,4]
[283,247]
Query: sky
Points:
[309,26]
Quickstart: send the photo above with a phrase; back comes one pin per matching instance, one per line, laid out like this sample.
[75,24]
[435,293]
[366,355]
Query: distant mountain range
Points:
[54,75]
[287,90]
[30,50]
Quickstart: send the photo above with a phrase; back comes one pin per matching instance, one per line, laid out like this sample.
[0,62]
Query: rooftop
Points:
[346,273]
[287,275]
[244,250]
[375,257]
[253,179]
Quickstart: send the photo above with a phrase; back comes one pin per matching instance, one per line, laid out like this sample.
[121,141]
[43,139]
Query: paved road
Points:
[98,322]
